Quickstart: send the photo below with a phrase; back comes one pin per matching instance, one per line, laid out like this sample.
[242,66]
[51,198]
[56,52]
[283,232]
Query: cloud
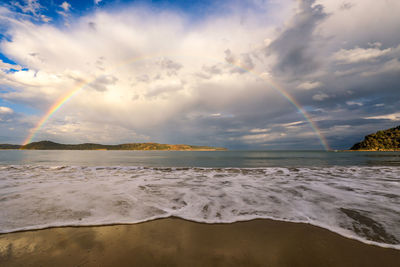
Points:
[246,62]
[6,110]
[392,117]
[65,12]
[354,103]
[44,18]
[170,66]
[293,47]
[7,66]
[309,85]
[66,6]
[100,83]
[320,96]
[164,87]
[229,57]
[257,138]
[258,130]
[292,124]
[30,6]
[140,73]
[346,6]
[358,54]
[240,63]
[391,66]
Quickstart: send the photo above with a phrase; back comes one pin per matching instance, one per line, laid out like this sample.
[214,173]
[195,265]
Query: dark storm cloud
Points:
[357,79]
[250,122]
[294,46]
[352,103]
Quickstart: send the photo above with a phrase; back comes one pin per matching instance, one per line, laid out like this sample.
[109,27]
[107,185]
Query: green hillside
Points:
[380,141]
[48,145]
[8,146]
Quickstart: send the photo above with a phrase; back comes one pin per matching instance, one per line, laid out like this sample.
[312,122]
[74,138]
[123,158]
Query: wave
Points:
[358,202]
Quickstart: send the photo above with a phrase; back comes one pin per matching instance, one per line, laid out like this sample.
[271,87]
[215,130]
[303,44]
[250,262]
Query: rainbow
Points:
[297,105]
[56,106]
[66,97]
[63,99]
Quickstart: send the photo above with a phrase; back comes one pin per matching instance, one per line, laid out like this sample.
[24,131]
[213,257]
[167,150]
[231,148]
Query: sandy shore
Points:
[176,242]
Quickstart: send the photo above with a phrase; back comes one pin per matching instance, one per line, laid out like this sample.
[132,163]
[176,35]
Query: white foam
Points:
[351,201]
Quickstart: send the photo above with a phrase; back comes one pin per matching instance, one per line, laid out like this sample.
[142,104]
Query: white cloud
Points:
[358,54]
[6,110]
[258,130]
[392,117]
[354,103]
[320,96]
[7,66]
[66,6]
[292,124]
[30,6]
[44,18]
[107,51]
[359,25]
[309,85]
[30,9]
[257,138]
[96,2]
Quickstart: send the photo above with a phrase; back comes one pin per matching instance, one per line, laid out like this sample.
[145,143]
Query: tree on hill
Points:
[381,140]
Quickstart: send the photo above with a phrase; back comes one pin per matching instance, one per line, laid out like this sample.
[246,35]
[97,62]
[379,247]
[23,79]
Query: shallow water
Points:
[356,194]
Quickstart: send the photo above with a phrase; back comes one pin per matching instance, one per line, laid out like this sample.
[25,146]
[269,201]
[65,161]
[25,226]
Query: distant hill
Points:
[49,145]
[8,146]
[380,141]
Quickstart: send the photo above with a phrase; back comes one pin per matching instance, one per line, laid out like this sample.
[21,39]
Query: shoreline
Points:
[156,218]
[175,241]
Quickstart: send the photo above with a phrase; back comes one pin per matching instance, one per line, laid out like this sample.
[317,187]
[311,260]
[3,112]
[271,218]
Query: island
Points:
[49,145]
[385,140]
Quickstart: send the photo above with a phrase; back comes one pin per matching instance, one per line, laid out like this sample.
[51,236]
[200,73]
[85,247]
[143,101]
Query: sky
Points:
[251,74]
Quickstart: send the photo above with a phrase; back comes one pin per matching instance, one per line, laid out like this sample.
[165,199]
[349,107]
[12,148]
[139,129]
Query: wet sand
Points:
[176,242]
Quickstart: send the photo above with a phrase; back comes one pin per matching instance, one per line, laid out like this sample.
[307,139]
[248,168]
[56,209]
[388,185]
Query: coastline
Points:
[177,242]
[369,150]
[190,150]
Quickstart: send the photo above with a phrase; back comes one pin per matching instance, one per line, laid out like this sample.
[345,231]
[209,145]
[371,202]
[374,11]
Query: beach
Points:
[107,208]
[177,242]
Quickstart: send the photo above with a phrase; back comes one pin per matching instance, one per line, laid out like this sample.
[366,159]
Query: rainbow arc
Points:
[71,93]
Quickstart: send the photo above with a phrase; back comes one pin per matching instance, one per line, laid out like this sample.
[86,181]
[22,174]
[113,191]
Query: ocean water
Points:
[356,194]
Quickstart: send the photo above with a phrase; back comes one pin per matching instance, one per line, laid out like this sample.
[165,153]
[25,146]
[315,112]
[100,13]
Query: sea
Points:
[355,194]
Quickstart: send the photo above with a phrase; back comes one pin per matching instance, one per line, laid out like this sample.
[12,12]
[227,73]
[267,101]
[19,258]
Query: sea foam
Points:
[357,202]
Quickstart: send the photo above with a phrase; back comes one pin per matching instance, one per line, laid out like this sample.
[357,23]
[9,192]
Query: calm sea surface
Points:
[238,159]
[356,194]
